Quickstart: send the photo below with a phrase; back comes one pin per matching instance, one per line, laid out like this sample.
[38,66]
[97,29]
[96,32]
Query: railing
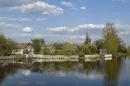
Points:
[53,56]
[57,58]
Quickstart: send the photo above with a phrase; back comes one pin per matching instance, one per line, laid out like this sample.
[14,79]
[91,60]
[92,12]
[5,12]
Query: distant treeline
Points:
[110,41]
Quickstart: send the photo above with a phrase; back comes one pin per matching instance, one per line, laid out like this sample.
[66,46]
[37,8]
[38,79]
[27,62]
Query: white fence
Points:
[91,56]
[62,58]
[56,60]
[54,56]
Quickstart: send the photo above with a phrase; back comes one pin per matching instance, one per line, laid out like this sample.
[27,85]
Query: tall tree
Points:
[6,45]
[2,44]
[37,44]
[9,46]
[87,39]
[111,39]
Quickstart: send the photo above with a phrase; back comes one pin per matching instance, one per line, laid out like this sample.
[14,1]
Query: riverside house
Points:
[23,48]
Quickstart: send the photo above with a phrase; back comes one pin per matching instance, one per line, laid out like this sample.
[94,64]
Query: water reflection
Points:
[112,72]
[103,73]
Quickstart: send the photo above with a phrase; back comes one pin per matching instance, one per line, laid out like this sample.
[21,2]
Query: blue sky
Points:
[63,20]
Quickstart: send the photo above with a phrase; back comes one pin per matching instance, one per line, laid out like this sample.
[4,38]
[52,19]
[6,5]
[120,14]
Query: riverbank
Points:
[56,58]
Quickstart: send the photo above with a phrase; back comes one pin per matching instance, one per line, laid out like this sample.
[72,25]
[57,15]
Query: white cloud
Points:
[7,3]
[83,8]
[122,28]
[78,37]
[39,7]
[28,29]
[7,18]
[82,37]
[25,19]
[67,4]
[40,19]
[4,25]
[61,29]
[14,18]
[124,33]
[91,26]
[77,28]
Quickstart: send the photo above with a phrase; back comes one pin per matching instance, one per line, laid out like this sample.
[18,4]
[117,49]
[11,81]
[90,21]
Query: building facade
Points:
[23,48]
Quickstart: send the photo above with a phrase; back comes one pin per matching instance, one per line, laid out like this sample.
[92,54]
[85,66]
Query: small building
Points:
[23,48]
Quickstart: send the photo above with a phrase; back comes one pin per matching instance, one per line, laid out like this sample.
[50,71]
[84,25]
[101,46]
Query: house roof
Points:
[23,46]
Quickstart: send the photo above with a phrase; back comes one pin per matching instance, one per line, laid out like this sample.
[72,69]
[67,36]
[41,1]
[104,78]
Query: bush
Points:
[69,49]
[48,50]
[89,49]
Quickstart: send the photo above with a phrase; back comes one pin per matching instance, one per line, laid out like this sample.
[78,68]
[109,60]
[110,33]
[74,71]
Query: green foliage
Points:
[9,45]
[48,50]
[99,44]
[37,44]
[111,39]
[58,48]
[89,49]
[69,49]
[6,45]
[128,51]
[87,39]
[122,47]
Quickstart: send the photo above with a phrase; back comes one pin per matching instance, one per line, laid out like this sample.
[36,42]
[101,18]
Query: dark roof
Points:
[23,46]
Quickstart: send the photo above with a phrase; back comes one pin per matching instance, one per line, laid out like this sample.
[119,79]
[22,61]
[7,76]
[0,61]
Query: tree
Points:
[48,50]
[37,44]
[58,47]
[89,49]
[111,39]
[87,40]
[6,45]
[122,47]
[69,49]
[128,50]
[9,46]
[2,44]
[99,44]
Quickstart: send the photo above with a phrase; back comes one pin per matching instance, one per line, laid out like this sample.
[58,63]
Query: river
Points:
[115,72]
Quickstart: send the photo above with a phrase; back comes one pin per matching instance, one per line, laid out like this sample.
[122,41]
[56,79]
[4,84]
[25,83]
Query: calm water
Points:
[107,73]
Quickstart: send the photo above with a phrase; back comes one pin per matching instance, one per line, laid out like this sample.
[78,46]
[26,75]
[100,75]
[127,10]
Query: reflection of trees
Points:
[10,69]
[41,67]
[6,70]
[91,66]
[53,67]
[111,71]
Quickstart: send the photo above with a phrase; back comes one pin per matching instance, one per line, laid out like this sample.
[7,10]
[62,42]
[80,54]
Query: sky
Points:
[63,20]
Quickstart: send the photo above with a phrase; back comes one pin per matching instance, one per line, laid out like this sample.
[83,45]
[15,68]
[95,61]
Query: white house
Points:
[23,48]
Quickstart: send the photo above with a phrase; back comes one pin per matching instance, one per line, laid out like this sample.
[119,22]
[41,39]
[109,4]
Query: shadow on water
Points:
[107,71]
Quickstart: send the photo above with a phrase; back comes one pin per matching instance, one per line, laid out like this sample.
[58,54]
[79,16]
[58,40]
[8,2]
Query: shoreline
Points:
[57,58]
